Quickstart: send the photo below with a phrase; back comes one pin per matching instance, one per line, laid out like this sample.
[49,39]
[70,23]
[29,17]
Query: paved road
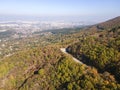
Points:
[75,59]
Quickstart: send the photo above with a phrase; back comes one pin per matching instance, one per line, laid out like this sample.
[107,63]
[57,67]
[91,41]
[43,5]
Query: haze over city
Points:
[84,10]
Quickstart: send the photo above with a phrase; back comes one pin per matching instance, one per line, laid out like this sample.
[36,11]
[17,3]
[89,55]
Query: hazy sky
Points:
[96,8]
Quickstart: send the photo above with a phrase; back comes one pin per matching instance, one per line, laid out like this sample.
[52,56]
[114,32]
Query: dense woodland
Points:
[38,63]
[101,49]
[50,69]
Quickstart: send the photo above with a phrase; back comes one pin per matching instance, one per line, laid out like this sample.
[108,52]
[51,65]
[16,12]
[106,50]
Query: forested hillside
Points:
[113,23]
[101,49]
[48,69]
[40,65]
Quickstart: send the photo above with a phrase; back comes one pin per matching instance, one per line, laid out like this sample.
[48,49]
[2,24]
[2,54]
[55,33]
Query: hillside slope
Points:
[101,48]
[110,24]
[45,67]
[48,69]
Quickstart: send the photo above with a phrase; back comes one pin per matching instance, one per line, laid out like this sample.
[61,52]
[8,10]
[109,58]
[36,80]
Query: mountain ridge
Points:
[112,23]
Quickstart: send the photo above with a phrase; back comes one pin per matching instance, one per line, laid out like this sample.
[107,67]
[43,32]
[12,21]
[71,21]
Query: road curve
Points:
[75,59]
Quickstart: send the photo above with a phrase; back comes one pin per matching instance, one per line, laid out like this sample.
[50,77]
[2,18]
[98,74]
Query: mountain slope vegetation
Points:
[110,24]
[102,50]
[47,68]
[42,66]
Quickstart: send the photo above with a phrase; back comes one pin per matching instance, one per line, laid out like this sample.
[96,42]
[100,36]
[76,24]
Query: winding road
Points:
[75,59]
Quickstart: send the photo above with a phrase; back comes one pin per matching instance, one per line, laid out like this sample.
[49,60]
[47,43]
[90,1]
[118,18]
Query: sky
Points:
[82,8]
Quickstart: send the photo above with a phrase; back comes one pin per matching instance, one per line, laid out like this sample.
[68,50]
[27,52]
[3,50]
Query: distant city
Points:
[17,27]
